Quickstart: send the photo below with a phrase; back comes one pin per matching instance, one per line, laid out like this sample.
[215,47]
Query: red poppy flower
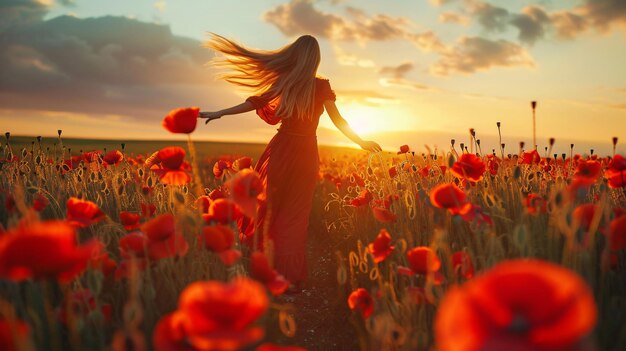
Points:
[213,315]
[83,213]
[364,198]
[242,163]
[403,149]
[535,204]
[172,171]
[383,215]
[129,220]
[103,263]
[380,248]
[79,304]
[220,239]
[393,171]
[462,264]
[474,213]
[13,334]
[493,163]
[617,233]
[588,170]
[260,270]
[222,211]
[423,260]
[219,167]
[181,120]
[616,178]
[246,187]
[147,210]
[583,215]
[203,203]
[216,194]
[91,156]
[113,157]
[133,245]
[40,202]
[272,347]
[361,300]
[529,158]
[163,239]
[517,305]
[448,196]
[470,167]
[44,250]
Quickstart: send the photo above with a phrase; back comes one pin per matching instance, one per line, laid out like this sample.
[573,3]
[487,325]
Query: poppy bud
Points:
[533,104]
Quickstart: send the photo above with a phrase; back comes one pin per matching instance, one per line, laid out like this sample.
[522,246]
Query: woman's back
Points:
[295,125]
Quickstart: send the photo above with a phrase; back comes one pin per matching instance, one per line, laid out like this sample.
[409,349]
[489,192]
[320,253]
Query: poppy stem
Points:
[194,166]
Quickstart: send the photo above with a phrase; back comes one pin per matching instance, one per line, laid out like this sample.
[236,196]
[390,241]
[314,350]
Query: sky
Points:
[417,72]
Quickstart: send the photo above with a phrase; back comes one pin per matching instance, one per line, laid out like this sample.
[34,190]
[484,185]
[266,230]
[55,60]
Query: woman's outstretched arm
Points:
[344,127]
[241,108]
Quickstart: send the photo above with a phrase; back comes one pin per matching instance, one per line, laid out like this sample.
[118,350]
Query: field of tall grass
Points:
[136,247]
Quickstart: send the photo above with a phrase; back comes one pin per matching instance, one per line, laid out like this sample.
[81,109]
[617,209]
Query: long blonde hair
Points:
[286,75]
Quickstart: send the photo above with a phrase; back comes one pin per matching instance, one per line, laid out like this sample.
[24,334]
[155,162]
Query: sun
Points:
[366,120]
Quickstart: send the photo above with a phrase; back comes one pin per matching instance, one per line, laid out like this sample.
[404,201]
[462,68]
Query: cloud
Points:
[534,22]
[405,83]
[93,64]
[365,97]
[301,17]
[602,14]
[454,18]
[440,2]
[473,54]
[492,18]
[397,71]
[568,24]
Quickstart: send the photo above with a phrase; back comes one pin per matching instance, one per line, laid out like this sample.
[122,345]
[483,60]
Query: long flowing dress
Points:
[289,169]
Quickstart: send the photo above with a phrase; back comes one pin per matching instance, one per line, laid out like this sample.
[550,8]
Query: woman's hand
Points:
[210,116]
[370,146]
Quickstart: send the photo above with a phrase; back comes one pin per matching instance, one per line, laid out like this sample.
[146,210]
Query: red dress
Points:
[289,169]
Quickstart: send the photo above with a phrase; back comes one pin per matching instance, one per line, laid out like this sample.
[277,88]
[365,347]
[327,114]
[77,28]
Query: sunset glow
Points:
[425,67]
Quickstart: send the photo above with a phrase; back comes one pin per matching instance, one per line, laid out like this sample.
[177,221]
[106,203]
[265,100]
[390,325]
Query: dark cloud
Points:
[602,14]
[301,17]
[492,18]
[472,54]
[532,24]
[398,71]
[104,63]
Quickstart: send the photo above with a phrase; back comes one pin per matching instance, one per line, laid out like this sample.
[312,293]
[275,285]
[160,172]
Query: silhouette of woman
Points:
[287,91]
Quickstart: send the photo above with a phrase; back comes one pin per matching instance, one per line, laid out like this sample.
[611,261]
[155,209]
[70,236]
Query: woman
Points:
[287,91]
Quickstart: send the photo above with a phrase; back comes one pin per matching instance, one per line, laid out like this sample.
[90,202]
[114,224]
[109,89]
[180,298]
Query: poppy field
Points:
[137,247]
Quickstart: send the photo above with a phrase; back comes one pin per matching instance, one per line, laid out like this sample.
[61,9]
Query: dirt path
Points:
[320,310]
